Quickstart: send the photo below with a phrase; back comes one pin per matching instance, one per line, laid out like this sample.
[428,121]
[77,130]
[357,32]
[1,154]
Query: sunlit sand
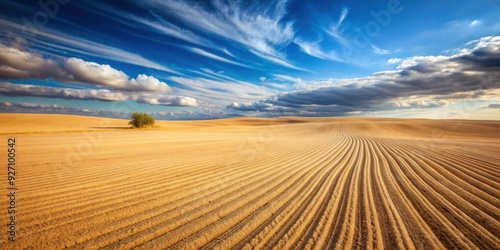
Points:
[243,183]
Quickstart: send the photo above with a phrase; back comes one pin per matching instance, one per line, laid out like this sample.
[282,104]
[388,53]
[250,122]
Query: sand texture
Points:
[284,183]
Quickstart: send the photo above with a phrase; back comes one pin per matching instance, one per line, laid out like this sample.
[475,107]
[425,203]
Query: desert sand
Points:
[243,183]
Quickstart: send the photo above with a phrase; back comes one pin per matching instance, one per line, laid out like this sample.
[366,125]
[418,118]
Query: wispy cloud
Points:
[313,49]
[83,46]
[163,27]
[288,78]
[213,56]
[336,31]
[259,28]
[380,51]
[220,92]
[156,23]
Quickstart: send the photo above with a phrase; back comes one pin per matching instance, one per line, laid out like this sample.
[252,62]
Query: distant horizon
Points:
[191,60]
[127,118]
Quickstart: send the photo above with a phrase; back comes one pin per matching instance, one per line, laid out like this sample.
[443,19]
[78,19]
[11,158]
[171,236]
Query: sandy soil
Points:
[287,183]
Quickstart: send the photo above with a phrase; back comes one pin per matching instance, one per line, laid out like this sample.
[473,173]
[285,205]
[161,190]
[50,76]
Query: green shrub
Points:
[141,120]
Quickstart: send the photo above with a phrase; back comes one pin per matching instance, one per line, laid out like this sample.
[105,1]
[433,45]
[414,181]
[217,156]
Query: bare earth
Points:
[285,183]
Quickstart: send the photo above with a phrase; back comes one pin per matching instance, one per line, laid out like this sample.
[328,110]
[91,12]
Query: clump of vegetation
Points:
[142,120]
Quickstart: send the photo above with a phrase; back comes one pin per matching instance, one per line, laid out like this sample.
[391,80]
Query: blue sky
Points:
[214,59]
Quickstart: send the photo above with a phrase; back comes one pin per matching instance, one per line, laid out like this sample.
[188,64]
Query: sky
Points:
[215,59]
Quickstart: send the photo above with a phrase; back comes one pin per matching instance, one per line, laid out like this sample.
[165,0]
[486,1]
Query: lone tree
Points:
[141,120]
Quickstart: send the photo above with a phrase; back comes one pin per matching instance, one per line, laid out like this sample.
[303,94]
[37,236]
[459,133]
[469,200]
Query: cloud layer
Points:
[23,107]
[16,64]
[418,82]
[104,95]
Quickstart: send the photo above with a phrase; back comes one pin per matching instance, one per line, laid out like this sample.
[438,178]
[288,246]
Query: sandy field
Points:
[252,183]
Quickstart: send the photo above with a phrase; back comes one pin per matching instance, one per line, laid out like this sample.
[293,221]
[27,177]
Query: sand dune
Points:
[284,183]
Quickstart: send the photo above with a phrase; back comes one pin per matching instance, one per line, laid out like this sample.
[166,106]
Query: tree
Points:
[141,120]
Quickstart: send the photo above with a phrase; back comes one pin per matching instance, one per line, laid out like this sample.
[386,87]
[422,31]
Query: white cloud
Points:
[394,60]
[262,78]
[105,95]
[288,78]
[16,64]
[21,64]
[475,23]
[201,113]
[380,51]
[420,82]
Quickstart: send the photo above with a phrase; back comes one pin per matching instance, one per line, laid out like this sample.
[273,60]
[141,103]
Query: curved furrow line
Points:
[286,238]
[438,168]
[126,227]
[118,209]
[395,234]
[451,202]
[264,218]
[363,233]
[309,235]
[320,235]
[128,186]
[121,176]
[448,170]
[487,166]
[230,228]
[410,223]
[247,202]
[459,160]
[348,235]
[80,176]
[126,196]
[346,209]
[374,239]
[478,171]
[318,178]
[338,207]
[463,213]
[251,168]
[245,232]
[340,185]
[96,172]
[413,187]
[86,178]
[275,227]
[211,197]
[243,191]
[283,218]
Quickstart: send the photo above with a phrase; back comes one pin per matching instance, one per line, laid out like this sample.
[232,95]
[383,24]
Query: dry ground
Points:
[287,183]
